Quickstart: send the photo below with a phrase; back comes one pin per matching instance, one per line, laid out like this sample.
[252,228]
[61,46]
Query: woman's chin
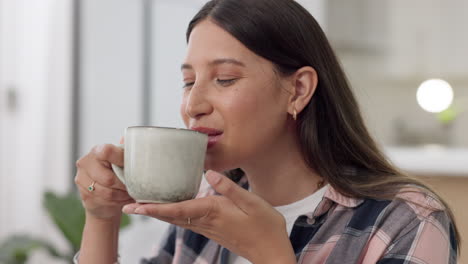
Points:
[216,166]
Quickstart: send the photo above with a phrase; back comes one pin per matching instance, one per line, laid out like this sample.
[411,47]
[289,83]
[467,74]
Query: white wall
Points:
[428,37]
[34,140]
[7,127]
[169,53]
[318,9]
[111,70]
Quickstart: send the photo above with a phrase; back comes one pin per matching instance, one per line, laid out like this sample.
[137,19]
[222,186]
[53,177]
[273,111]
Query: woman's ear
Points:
[304,82]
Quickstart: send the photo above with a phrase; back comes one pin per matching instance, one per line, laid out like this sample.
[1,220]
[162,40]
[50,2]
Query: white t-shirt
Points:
[290,213]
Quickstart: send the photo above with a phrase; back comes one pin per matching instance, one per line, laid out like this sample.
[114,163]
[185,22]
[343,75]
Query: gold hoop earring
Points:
[295,115]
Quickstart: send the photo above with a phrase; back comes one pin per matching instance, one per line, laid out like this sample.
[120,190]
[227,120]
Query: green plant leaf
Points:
[17,248]
[68,214]
[126,221]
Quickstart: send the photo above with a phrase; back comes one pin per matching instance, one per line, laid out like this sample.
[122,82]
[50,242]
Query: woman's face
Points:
[234,96]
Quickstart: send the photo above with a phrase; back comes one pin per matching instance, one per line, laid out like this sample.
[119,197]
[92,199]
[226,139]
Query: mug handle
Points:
[119,171]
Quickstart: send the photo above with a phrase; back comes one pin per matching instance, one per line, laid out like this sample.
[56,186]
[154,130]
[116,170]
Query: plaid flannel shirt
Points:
[341,230]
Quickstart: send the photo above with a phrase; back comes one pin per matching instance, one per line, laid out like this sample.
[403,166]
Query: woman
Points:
[261,79]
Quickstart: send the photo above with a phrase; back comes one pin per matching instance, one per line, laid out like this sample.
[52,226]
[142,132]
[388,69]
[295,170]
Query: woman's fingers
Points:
[109,153]
[244,199]
[187,216]
[103,195]
[195,209]
[105,176]
[130,208]
[122,200]
[98,169]
[99,190]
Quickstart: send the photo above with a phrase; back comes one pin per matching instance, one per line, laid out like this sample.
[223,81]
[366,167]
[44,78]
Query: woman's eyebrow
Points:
[186,66]
[227,61]
[216,62]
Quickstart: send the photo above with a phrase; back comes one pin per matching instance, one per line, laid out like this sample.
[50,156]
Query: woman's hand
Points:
[238,220]
[109,195]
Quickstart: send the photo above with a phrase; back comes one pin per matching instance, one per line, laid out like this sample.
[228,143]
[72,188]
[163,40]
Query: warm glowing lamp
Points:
[435,95]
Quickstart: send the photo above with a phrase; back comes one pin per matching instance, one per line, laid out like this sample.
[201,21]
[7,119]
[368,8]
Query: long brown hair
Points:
[331,130]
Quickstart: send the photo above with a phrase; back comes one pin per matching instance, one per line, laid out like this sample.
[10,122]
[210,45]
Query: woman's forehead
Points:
[209,43]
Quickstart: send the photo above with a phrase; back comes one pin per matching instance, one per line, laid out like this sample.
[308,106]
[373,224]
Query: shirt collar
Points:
[332,197]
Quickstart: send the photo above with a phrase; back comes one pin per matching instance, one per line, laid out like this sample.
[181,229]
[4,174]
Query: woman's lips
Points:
[212,140]
[214,135]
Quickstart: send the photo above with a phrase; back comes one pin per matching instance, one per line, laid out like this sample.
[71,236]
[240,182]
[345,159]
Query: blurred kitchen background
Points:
[75,73]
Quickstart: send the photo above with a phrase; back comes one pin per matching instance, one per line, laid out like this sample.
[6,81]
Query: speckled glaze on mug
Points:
[162,165]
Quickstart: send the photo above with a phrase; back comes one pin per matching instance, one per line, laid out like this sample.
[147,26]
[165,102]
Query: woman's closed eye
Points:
[226,82]
[188,84]
[221,81]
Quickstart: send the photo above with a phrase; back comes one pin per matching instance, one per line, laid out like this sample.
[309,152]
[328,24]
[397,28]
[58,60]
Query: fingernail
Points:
[140,210]
[128,209]
[99,148]
[213,177]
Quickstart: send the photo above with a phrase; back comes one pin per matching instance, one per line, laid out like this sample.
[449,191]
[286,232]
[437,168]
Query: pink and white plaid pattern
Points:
[414,228]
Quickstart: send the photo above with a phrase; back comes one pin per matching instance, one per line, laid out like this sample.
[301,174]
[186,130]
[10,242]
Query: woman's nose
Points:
[198,104]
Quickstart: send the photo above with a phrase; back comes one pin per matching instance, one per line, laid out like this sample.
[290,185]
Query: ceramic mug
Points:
[162,165]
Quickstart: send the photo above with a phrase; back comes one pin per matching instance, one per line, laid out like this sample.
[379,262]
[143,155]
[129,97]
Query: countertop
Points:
[430,160]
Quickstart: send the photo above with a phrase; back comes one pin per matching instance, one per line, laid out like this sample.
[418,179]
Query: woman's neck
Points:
[282,176]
